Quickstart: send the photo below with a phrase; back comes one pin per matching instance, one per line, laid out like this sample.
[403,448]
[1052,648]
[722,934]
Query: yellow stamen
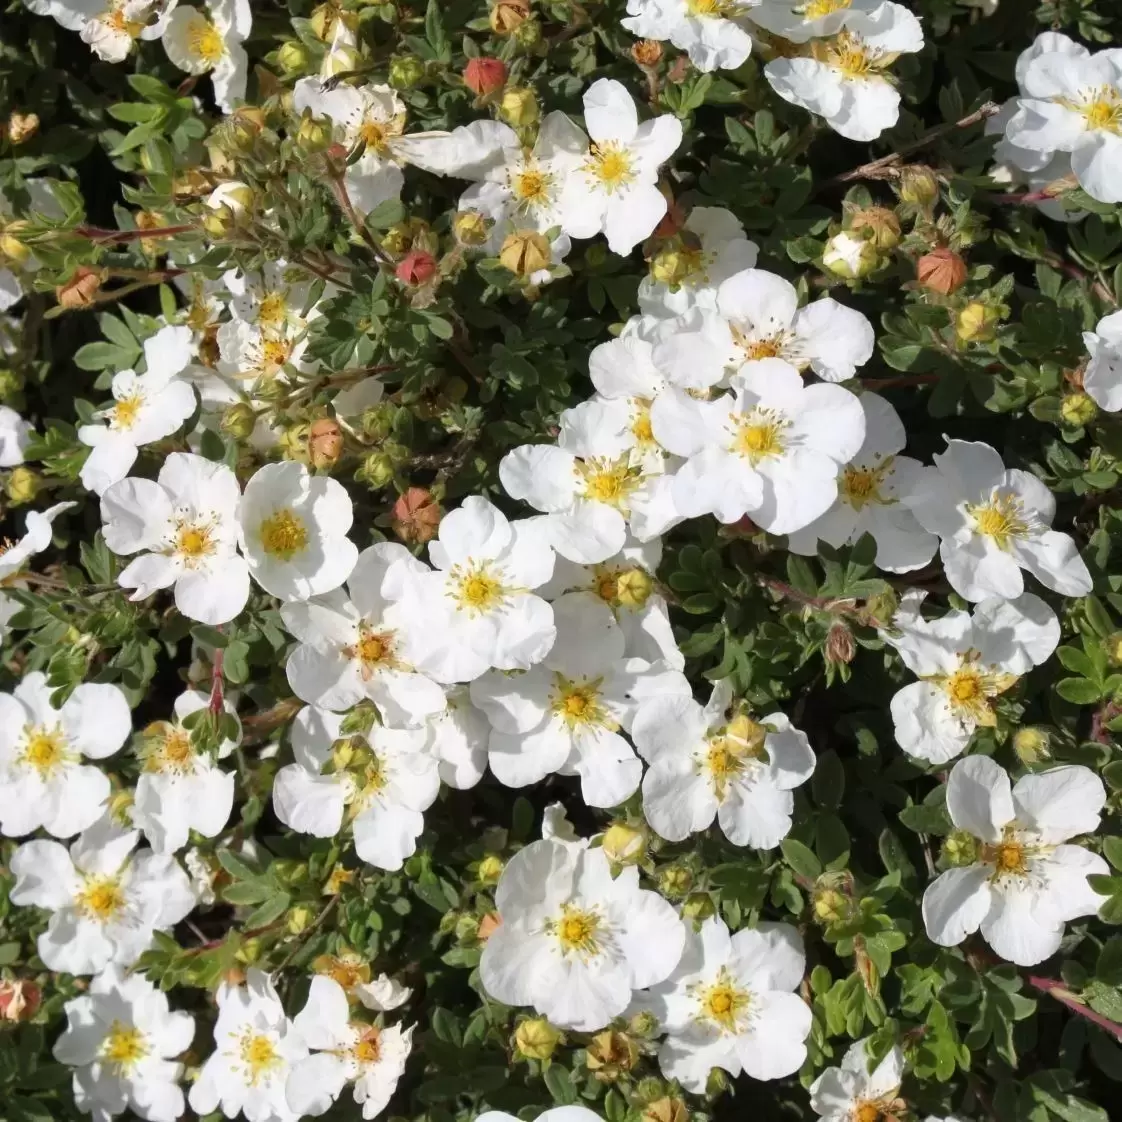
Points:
[45,750]
[860,486]
[531,186]
[577,931]
[194,540]
[609,482]
[724,1002]
[123,1047]
[124,414]
[611,165]
[819,9]
[272,312]
[101,898]
[578,704]
[368,1049]
[205,41]
[1002,519]
[259,1055]
[759,435]
[283,534]
[477,588]
[1103,110]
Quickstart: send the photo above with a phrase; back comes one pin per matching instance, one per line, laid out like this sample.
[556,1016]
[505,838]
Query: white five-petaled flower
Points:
[122,1039]
[255,1048]
[105,900]
[478,605]
[772,448]
[615,190]
[730,1004]
[293,531]
[853,1093]
[44,781]
[1103,377]
[554,1114]
[201,45]
[371,1058]
[1072,102]
[871,490]
[181,789]
[709,31]
[965,663]
[15,436]
[992,523]
[1021,883]
[366,646]
[575,943]
[36,538]
[844,79]
[379,783]
[565,715]
[185,527]
[704,766]
[798,21]
[147,408]
[109,26]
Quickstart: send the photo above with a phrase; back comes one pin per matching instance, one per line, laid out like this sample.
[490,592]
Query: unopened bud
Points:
[235,196]
[918,186]
[830,905]
[484,75]
[525,252]
[666,1110]
[699,907]
[325,443]
[293,443]
[239,420]
[519,106]
[377,470]
[840,645]
[977,322]
[490,869]
[322,21]
[298,919]
[313,135]
[22,127]
[645,1024]
[81,290]
[1078,409]
[376,423]
[292,57]
[1032,744]
[941,270]
[507,15]
[414,233]
[610,1055]
[528,34]
[13,251]
[19,999]
[488,925]
[960,848]
[471,228]
[623,844]
[10,384]
[416,267]
[647,53]
[674,265]
[405,71]
[674,880]
[849,256]
[536,1039]
[878,225]
[416,516]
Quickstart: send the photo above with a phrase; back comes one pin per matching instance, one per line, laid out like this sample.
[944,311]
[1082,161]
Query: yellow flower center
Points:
[259,1055]
[101,898]
[1002,519]
[531,186]
[477,588]
[578,703]
[123,1047]
[347,969]
[759,435]
[577,931]
[283,534]
[274,354]
[867,1112]
[126,410]
[819,9]
[770,346]
[609,482]
[375,647]
[861,486]
[194,540]
[1011,855]
[272,312]
[849,54]
[205,41]
[167,748]
[368,1049]
[970,690]
[45,750]
[710,9]
[610,165]
[724,1002]
[1103,110]
[641,426]
[730,752]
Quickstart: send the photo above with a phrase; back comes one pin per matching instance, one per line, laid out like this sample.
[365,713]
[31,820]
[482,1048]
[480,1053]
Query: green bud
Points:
[23,485]
[405,71]
[699,906]
[849,256]
[1031,745]
[376,471]
[10,384]
[960,848]
[528,33]
[674,880]
[239,420]
[1078,409]
[292,57]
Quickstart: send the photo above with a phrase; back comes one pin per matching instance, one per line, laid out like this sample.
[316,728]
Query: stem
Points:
[308,931]
[1106,712]
[100,234]
[1076,273]
[1056,989]
[339,186]
[901,380]
[217,699]
[841,606]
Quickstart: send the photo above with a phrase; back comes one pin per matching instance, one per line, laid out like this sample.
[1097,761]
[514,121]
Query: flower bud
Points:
[416,516]
[377,470]
[647,53]
[10,384]
[528,34]
[415,268]
[850,257]
[830,905]
[519,106]
[19,999]
[484,75]
[666,1110]
[322,21]
[623,844]
[293,443]
[239,420]
[22,127]
[405,71]
[1032,745]
[941,270]
[878,225]
[840,645]
[698,907]
[298,919]
[646,1024]
[674,265]
[12,250]
[313,135]
[339,877]
[918,186]
[414,233]
[507,15]
[960,848]
[236,197]
[536,1039]
[610,1055]
[325,443]
[292,57]
[81,290]
[490,869]
[471,228]
[525,252]
[376,423]
[488,925]
[977,322]
[1078,409]
[674,880]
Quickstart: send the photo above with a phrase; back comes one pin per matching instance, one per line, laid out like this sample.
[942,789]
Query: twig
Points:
[1076,273]
[886,166]
[339,187]
[308,931]
[100,234]
[217,699]
[1056,989]
[901,380]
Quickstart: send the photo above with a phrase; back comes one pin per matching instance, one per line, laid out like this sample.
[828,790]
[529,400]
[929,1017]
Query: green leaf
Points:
[1078,691]
[560,1085]
[801,858]
[269,911]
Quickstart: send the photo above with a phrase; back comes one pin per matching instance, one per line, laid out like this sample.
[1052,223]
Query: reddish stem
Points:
[1026,197]
[217,698]
[99,234]
[1056,989]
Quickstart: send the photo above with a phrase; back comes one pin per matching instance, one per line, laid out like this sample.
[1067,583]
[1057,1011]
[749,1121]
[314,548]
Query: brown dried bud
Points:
[678,71]
[610,1055]
[674,218]
[666,1110]
[416,515]
[19,999]
[325,442]
[840,647]
[879,224]
[647,53]
[941,270]
[507,15]
[525,252]
[488,925]
[485,75]
[81,289]
[22,127]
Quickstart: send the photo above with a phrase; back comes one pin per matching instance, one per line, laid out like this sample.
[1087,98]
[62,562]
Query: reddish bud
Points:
[840,646]
[325,442]
[416,267]
[19,999]
[488,925]
[941,270]
[674,218]
[416,515]
[484,75]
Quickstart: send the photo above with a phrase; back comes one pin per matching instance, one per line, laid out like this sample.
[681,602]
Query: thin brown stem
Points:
[217,697]
[339,187]
[310,930]
[100,234]
[1057,990]
[900,380]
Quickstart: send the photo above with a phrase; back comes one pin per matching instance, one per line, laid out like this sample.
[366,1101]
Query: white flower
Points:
[148,407]
[730,1003]
[366,646]
[1073,103]
[871,490]
[457,737]
[36,538]
[112,26]
[105,900]
[852,1093]
[710,248]
[379,784]
[44,781]
[478,607]
[554,1114]
[255,1049]
[844,79]
[574,943]
[293,531]
[184,525]
[16,258]
[1024,884]
[965,663]
[180,788]
[200,45]
[274,299]
[253,354]
[758,320]
[798,21]
[992,523]
[565,715]
[615,190]
[771,449]
[15,436]
[383,994]
[1103,377]
[343,1051]
[705,766]
[709,31]
[122,1039]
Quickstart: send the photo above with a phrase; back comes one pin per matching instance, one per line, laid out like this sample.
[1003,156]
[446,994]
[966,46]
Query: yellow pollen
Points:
[965,685]
[759,436]
[762,348]
[274,354]
[347,969]
[283,534]
[860,486]
[611,165]
[724,1002]
[710,9]
[368,1050]
[259,1055]
[123,1047]
[608,482]
[818,9]
[126,410]
[1011,857]
[641,427]
[577,931]
[577,703]
[1002,519]
[205,41]
[373,648]
[194,540]
[5,545]
[849,54]
[273,310]
[101,899]
[867,1112]
[45,750]
[477,588]
[1103,110]
[531,186]
[177,746]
